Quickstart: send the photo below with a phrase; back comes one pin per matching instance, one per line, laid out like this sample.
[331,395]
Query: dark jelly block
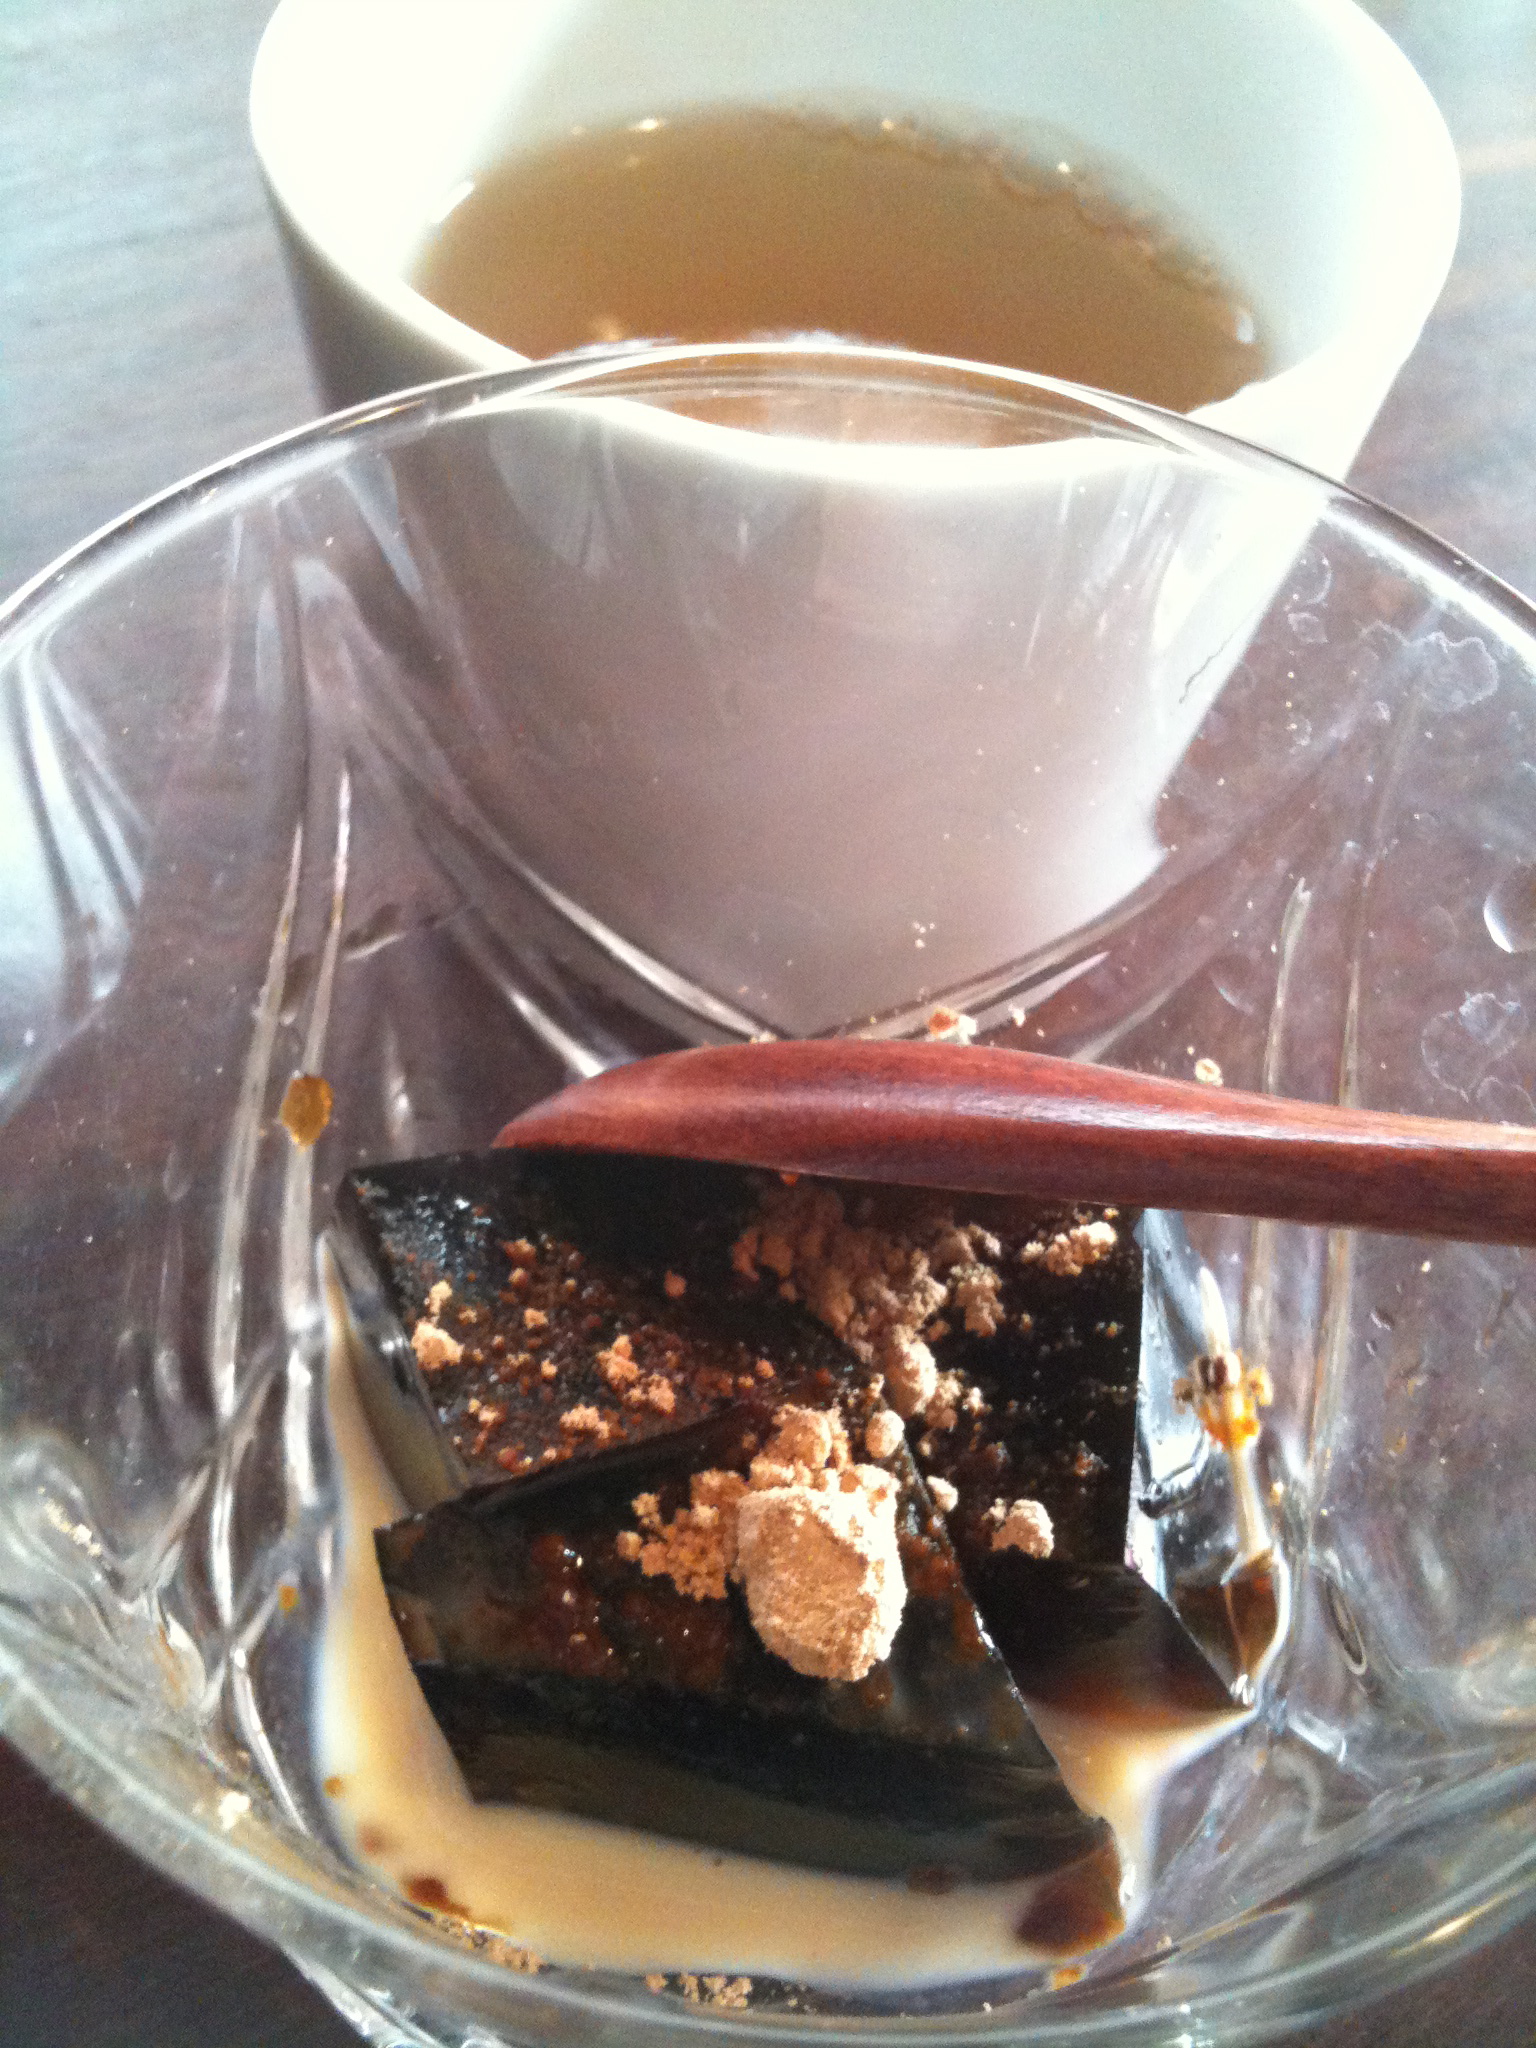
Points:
[550,1259]
[1058,1379]
[564,1677]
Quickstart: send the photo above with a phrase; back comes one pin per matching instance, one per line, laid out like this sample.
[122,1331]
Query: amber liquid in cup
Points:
[734,224]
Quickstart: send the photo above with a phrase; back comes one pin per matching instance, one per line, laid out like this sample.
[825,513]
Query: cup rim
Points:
[1360,357]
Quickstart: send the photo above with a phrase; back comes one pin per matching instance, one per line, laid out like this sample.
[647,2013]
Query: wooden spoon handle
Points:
[988,1120]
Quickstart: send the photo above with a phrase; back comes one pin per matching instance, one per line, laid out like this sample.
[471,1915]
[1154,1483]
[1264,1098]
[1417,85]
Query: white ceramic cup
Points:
[1289,139]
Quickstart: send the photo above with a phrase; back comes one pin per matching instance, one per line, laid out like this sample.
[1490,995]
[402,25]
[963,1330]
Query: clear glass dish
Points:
[483,737]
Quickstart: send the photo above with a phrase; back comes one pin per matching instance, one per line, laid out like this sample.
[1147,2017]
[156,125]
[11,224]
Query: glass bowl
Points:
[483,737]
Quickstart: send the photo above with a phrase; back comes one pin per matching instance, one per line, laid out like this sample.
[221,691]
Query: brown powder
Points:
[656,1393]
[911,1374]
[434,1348]
[804,1441]
[810,1537]
[943,1410]
[1021,1525]
[697,1548]
[1069,1251]
[875,1289]
[617,1364]
[822,1574]
[975,1290]
[883,1433]
[729,1994]
[585,1420]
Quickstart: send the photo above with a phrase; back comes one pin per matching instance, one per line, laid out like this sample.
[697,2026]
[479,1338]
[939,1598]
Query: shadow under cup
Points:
[494,736]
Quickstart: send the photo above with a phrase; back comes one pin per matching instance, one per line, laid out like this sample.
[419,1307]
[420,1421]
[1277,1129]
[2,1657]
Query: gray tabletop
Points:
[144,331]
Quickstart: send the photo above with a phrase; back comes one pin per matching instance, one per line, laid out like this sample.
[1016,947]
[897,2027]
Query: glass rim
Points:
[581,368]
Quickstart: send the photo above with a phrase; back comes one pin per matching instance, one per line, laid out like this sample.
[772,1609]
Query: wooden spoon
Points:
[990,1121]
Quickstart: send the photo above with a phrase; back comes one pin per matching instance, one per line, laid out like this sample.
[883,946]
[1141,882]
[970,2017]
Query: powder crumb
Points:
[946,1498]
[508,1954]
[943,1410]
[520,1252]
[655,1393]
[439,1294]
[730,1994]
[1021,1525]
[883,1433]
[804,1441]
[655,1982]
[434,1348]
[949,1026]
[1206,1070]
[617,1364]
[628,1545]
[232,1807]
[975,1290]
[697,1548]
[548,1369]
[584,1420]
[1069,1251]
[674,1286]
[911,1375]
[496,1948]
[535,1319]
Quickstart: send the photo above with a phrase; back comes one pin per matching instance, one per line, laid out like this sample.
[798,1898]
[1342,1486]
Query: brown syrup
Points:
[1077,1909]
[1235,1619]
[729,225]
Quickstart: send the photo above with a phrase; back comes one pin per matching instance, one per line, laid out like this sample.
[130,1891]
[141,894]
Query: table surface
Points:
[145,330]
